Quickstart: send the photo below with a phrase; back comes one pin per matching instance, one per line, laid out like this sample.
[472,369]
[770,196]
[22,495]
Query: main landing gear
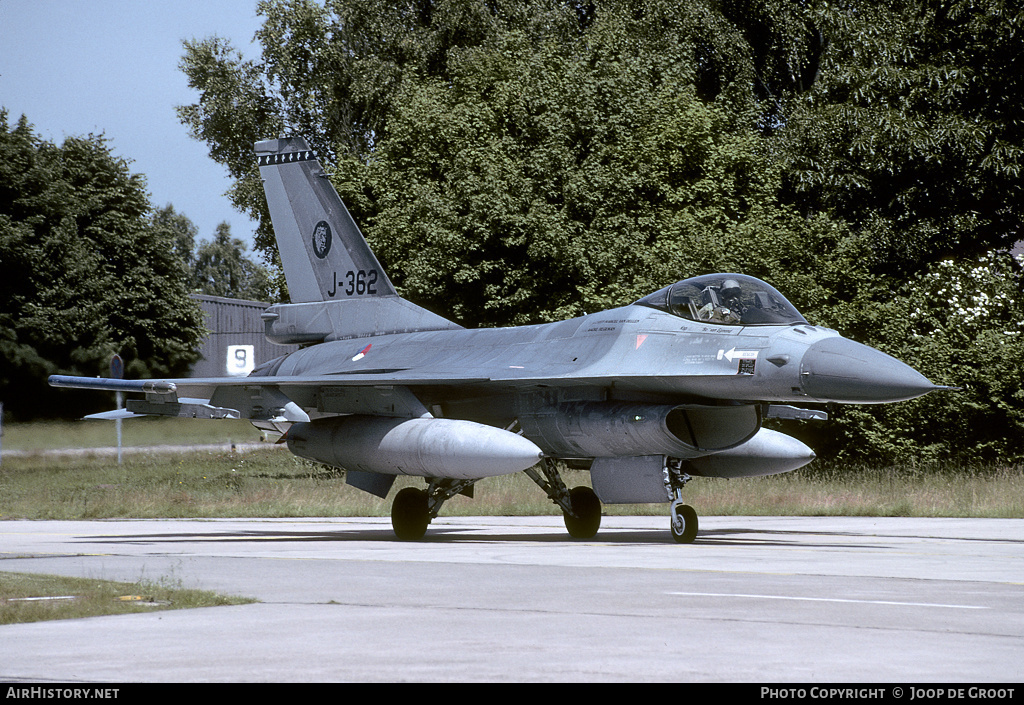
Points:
[580,506]
[413,508]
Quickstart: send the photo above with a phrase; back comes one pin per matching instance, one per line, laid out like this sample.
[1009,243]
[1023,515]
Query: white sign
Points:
[735,354]
[241,360]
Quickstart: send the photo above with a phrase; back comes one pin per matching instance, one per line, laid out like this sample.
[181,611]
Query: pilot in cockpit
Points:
[722,304]
[728,299]
[732,305]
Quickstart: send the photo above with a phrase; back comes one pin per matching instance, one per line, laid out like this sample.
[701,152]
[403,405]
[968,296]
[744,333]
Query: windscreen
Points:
[726,299]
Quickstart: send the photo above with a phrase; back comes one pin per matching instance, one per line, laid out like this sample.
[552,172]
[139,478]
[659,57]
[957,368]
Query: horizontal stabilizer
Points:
[114,415]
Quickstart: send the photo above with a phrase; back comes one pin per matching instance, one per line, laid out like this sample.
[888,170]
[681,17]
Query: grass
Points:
[147,431]
[271,482]
[995,491]
[35,598]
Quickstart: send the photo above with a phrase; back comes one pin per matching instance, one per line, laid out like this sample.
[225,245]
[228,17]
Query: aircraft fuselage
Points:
[633,353]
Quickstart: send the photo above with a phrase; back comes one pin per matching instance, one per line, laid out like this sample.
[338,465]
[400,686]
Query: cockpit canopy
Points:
[725,299]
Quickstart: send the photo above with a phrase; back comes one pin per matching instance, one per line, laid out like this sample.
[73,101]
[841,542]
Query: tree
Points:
[911,143]
[179,230]
[222,269]
[83,275]
[217,268]
[541,181]
[912,134]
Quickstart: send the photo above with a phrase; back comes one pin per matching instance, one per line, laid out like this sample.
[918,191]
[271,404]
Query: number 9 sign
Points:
[241,360]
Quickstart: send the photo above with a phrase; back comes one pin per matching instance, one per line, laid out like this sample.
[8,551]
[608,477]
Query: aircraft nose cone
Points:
[841,370]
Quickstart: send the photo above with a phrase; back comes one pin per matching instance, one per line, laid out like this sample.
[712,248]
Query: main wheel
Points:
[587,510]
[684,524]
[409,514]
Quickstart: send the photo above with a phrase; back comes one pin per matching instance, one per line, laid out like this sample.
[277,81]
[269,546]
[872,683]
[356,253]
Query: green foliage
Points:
[216,268]
[343,72]
[912,133]
[178,229]
[964,327]
[222,269]
[83,274]
[911,141]
[516,192]
[521,161]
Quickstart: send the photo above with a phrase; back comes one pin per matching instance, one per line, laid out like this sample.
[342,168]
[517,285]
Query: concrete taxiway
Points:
[754,599]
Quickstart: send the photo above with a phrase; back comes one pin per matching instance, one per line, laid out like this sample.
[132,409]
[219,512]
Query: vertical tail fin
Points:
[338,288]
[325,257]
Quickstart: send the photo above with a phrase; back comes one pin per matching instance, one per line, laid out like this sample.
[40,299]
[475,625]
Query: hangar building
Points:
[236,344]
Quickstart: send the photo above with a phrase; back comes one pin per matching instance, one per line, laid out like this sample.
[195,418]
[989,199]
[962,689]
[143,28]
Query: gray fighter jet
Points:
[646,396]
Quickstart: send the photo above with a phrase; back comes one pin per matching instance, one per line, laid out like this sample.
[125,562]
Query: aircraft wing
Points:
[205,386]
[383,393]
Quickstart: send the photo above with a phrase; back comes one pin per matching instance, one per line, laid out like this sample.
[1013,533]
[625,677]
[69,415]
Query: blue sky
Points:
[75,67]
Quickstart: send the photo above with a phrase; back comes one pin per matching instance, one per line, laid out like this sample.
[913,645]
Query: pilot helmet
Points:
[730,289]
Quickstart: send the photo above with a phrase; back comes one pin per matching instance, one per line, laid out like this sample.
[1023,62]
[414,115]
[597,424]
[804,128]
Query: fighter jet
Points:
[673,386]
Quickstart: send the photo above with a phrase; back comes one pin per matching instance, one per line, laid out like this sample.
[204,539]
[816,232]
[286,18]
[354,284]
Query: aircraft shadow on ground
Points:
[454,535]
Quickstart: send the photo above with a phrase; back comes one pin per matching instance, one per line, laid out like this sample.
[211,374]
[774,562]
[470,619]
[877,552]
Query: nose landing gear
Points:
[683,517]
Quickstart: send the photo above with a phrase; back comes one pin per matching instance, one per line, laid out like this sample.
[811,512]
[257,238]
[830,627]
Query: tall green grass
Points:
[273,483]
[146,431]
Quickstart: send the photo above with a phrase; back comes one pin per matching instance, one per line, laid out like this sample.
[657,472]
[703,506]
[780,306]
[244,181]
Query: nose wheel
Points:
[684,523]
[683,517]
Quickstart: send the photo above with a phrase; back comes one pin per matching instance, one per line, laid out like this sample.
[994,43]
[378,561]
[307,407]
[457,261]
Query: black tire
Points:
[587,509]
[688,532]
[409,516]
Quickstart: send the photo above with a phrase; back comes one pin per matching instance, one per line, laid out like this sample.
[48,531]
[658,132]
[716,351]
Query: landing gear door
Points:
[631,480]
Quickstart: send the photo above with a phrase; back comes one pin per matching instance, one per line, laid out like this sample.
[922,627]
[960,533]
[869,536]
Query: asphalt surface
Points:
[754,599]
